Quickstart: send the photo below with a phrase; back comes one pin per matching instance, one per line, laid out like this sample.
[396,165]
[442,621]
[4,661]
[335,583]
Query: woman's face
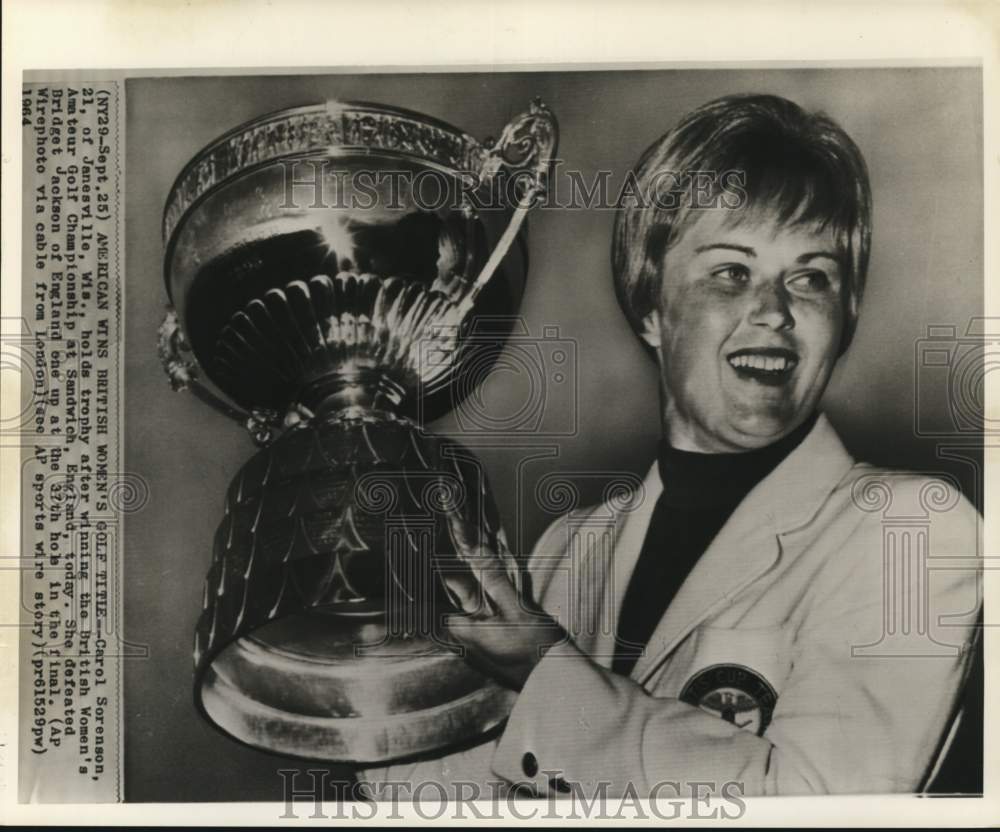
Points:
[748,330]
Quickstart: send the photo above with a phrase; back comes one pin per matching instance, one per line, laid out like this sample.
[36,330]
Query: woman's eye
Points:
[733,273]
[815,281]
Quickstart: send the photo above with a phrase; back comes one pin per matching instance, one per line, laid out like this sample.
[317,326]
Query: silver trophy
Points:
[332,270]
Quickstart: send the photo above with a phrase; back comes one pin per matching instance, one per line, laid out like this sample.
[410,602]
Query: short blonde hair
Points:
[803,166]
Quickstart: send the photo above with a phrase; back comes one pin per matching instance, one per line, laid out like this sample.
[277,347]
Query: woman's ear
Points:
[650,332]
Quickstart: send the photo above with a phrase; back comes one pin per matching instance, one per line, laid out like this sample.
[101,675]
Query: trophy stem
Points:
[361,388]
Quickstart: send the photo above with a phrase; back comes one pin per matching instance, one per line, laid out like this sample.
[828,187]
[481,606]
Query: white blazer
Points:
[819,645]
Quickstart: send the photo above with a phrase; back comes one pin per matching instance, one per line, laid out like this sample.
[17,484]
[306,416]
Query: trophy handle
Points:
[525,148]
[183,375]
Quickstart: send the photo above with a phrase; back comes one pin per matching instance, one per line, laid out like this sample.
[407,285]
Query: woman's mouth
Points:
[765,365]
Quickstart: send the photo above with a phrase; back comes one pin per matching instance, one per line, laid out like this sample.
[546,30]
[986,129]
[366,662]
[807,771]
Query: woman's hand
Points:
[503,631]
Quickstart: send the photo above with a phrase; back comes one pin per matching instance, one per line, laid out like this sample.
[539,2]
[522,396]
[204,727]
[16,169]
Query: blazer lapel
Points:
[748,545]
[744,549]
[619,561]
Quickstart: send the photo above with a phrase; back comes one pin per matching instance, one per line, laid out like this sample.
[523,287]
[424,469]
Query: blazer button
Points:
[529,764]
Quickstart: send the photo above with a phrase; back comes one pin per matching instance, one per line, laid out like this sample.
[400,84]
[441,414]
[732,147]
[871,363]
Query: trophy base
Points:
[320,631]
[324,687]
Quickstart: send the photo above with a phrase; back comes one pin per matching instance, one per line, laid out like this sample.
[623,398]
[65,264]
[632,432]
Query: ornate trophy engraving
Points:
[328,318]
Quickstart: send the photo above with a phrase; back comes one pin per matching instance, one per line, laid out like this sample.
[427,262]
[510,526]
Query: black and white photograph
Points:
[581,438]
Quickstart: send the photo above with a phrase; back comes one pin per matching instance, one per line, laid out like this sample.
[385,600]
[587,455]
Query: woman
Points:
[758,639]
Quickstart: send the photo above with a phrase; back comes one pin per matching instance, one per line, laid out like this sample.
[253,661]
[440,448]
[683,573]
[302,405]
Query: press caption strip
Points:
[72,491]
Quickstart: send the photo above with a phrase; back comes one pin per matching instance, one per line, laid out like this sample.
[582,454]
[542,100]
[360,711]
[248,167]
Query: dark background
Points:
[920,130]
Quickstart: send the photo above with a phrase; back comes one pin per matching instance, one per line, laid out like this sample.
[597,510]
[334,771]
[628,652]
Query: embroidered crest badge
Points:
[734,693]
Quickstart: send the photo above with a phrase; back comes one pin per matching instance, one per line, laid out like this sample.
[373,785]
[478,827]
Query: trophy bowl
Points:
[329,268]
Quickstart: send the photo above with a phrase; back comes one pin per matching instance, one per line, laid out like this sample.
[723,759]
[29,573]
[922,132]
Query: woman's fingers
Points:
[470,542]
[464,580]
[463,590]
[511,566]
[489,569]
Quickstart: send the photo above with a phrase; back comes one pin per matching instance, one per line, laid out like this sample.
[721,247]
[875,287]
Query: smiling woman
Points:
[747,305]
[803,170]
[747,330]
[748,589]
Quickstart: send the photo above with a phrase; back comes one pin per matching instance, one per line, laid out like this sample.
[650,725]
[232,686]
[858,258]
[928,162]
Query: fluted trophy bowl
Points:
[335,274]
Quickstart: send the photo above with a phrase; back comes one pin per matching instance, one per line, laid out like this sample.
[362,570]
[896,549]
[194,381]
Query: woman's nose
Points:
[770,307]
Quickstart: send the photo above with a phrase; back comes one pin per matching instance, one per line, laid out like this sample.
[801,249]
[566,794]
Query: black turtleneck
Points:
[700,491]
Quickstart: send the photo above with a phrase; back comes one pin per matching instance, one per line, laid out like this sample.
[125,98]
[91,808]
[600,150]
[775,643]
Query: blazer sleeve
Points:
[845,722]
